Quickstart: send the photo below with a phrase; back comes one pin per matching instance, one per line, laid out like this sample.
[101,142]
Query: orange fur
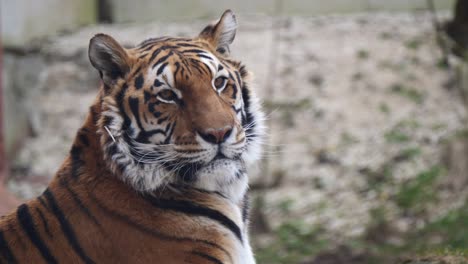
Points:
[106,205]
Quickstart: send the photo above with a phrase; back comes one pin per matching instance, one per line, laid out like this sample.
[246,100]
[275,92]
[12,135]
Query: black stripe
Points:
[26,221]
[66,227]
[135,72]
[112,150]
[161,68]
[120,101]
[163,119]
[195,64]
[185,63]
[247,122]
[234,91]
[188,45]
[206,68]
[44,221]
[162,59]
[142,135]
[204,56]
[169,135]
[158,83]
[155,53]
[76,162]
[83,135]
[207,257]
[197,51]
[134,105]
[139,81]
[189,208]
[80,203]
[107,120]
[145,230]
[5,250]
[43,202]
[148,96]
[238,78]
[177,68]
[94,114]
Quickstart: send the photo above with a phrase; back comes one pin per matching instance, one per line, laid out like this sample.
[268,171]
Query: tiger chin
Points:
[158,171]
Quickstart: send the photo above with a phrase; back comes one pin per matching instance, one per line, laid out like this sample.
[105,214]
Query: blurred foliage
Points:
[408,92]
[417,192]
[443,240]
[293,242]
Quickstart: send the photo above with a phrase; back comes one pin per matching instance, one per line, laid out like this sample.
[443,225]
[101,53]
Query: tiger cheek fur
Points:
[158,170]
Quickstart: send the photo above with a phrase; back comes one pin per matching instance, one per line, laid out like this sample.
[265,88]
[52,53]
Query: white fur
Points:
[228,29]
[219,176]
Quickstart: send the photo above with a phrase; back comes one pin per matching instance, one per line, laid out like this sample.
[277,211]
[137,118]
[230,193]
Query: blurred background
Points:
[367,155]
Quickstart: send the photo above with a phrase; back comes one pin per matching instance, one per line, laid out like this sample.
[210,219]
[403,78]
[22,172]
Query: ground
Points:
[367,132]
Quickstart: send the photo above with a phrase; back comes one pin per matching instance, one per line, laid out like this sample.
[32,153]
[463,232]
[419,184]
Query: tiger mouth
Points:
[188,172]
[218,156]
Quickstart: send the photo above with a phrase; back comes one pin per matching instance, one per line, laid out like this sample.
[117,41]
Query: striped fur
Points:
[157,173]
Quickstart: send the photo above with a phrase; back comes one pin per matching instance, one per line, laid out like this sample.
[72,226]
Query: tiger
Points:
[157,173]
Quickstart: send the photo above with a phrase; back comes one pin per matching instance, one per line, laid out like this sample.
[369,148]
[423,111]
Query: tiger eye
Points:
[220,82]
[167,95]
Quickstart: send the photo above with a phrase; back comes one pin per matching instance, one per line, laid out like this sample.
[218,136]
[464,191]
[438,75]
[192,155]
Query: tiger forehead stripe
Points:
[211,62]
[162,72]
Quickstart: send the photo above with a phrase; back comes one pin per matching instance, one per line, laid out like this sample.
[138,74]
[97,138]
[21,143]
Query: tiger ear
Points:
[221,33]
[108,57]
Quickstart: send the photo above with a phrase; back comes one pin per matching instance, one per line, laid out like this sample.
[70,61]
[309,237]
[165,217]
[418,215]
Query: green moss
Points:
[292,106]
[409,153]
[362,54]
[417,192]
[408,92]
[413,44]
[348,139]
[453,227]
[396,136]
[384,108]
[293,241]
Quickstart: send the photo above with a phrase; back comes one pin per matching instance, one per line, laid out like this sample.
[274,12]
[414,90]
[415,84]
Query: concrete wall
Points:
[24,20]
[148,10]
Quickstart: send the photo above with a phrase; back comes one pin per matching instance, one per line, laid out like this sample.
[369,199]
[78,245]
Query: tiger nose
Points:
[216,135]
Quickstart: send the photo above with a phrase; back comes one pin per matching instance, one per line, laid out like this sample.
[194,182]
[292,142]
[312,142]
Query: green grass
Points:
[408,154]
[453,227]
[408,92]
[399,132]
[396,136]
[293,241]
[413,44]
[362,54]
[348,139]
[451,235]
[417,192]
[384,108]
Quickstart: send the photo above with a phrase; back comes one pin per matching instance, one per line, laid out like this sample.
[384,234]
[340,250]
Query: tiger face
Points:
[178,111]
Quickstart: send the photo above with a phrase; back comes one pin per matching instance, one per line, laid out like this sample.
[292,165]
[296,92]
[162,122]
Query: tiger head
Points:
[178,111]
